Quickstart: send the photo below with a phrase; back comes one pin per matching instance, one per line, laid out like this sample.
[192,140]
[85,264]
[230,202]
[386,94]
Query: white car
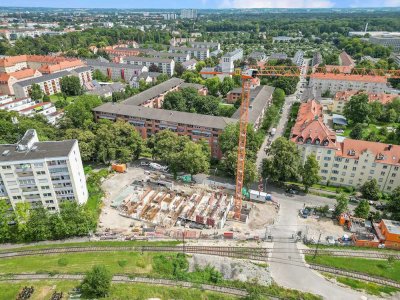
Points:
[340,131]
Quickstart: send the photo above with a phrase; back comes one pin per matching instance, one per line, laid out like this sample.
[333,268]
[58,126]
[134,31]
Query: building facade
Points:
[165,65]
[43,174]
[198,53]
[348,162]
[387,40]
[116,71]
[341,82]
[189,14]
[228,59]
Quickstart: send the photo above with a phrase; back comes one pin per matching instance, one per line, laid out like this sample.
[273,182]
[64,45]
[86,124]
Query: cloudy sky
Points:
[205,3]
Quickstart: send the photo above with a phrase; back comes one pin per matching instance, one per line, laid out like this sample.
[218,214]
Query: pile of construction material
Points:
[166,208]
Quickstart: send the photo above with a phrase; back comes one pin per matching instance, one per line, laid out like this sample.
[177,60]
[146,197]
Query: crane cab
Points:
[250,73]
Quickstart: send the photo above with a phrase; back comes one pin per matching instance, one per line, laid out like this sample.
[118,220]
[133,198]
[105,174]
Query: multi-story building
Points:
[165,65]
[7,80]
[199,53]
[388,40]
[116,71]
[236,94]
[169,16]
[147,77]
[190,64]
[228,59]
[341,98]
[298,58]
[348,162]
[341,82]
[258,56]
[107,90]
[317,59]
[51,83]
[43,174]
[143,112]
[278,56]
[176,56]
[189,14]
[206,45]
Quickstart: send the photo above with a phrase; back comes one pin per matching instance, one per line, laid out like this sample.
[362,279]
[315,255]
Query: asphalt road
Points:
[286,263]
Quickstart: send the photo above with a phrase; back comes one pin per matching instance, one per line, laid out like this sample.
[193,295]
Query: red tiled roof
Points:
[310,128]
[384,153]
[349,77]
[381,97]
[346,59]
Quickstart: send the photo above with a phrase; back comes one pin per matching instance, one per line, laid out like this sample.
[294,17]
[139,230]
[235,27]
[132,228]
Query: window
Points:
[47,195]
[343,173]
[335,172]
[373,165]
[345,167]
[352,174]
[38,165]
[327,158]
[393,174]
[336,165]
[383,173]
[325,165]
[385,167]
[17,197]
[372,172]
[6,167]
[391,181]
[40,172]
[380,179]
[347,160]
[354,169]
[350,181]
[324,171]
[46,187]
[333,178]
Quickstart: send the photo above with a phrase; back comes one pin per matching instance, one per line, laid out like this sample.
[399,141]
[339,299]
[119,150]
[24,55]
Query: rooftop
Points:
[349,77]
[165,115]
[153,92]
[148,59]
[233,53]
[381,97]
[383,153]
[392,226]
[97,63]
[43,78]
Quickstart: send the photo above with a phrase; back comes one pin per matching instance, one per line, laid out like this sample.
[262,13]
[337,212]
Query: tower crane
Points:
[287,71]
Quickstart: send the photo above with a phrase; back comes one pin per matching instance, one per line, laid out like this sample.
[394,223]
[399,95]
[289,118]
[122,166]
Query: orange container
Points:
[120,168]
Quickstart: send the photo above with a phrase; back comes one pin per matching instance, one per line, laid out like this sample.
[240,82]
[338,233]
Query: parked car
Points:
[291,192]
[354,199]
[340,131]
[330,240]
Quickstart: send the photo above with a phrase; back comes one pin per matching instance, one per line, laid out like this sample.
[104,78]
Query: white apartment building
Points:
[342,82]
[206,45]
[198,53]
[189,14]
[387,40]
[348,162]
[116,71]
[228,59]
[176,56]
[42,173]
[166,65]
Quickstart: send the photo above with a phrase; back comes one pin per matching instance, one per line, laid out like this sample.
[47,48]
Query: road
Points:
[280,128]
[287,265]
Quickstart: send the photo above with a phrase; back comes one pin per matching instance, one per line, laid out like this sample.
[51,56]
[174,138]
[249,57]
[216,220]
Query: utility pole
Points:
[316,248]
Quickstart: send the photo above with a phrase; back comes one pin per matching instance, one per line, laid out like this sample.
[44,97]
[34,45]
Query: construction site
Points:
[148,203]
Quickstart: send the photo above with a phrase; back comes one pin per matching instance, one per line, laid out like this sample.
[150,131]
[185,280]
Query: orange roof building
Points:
[344,162]
[342,82]
[342,97]
[7,80]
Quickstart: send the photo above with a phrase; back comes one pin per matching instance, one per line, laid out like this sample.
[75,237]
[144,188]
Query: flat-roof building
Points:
[43,174]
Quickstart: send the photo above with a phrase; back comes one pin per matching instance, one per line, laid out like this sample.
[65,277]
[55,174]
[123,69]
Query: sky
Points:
[203,3]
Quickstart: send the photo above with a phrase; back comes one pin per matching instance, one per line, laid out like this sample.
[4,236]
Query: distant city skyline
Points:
[205,4]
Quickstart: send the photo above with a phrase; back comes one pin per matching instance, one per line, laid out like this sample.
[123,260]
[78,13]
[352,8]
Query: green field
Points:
[44,289]
[369,287]
[374,267]
[116,262]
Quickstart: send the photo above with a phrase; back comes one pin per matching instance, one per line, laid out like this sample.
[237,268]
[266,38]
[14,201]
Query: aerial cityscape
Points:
[201,149]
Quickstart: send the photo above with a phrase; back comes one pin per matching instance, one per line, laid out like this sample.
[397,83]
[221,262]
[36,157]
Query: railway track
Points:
[234,252]
[355,253]
[355,275]
[126,279]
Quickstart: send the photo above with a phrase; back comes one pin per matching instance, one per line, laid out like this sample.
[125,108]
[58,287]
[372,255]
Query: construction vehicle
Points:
[287,71]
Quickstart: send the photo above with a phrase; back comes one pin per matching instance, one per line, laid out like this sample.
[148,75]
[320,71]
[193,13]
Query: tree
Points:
[212,85]
[46,98]
[36,92]
[97,282]
[357,132]
[200,65]
[71,86]
[79,114]
[161,78]
[370,189]
[342,204]
[310,172]
[179,69]
[154,68]
[99,76]
[283,163]
[193,159]
[357,109]
[227,85]
[376,113]
[393,206]
[362,209]
[86,142]
[278,97]
[174,101]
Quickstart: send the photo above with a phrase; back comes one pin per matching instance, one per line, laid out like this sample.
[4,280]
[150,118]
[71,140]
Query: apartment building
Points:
[189,14]
[298,58]
[147,77]
[144,112]
[50,83]
[341,82]
[258,56]
[176,56]
[165,65]
[116,71]
[7,80]
[228,59]
[190,64]
[198,53]
[316,59]
[236,94]
[348,162]
[206,45]
[43,174]
[342,97]
[387,40]
[107,90]
[114,51]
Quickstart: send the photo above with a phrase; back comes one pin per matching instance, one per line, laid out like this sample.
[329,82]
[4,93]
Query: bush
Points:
[97,282]
[122,263]
[62,262]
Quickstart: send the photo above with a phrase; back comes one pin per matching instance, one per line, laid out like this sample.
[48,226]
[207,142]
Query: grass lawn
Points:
[370,128]
[375,267]
[44,290]
[333,247]
[369,287]
[55,98]
[116,262]
[98,244]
